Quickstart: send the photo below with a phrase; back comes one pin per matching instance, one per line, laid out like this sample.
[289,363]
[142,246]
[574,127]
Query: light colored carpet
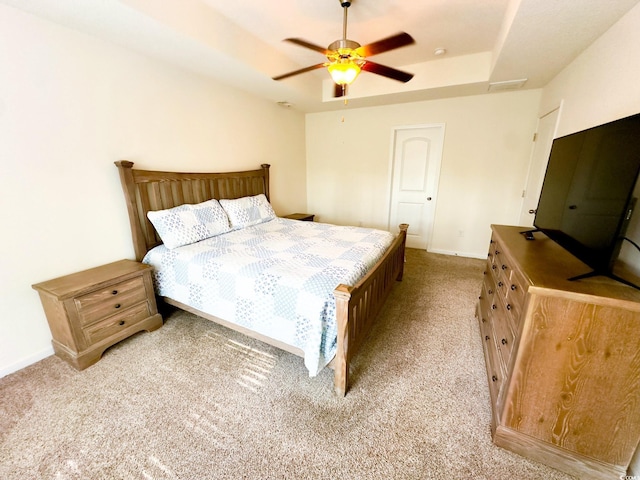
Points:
[194,400]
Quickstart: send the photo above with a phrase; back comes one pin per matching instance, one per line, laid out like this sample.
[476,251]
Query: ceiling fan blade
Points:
[297,72]
[387,71]
[395,41]
[304,43]
[339,90]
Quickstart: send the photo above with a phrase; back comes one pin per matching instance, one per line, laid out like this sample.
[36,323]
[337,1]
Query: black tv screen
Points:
[587,194]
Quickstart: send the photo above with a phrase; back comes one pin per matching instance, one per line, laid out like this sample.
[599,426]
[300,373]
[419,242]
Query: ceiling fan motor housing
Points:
[344,44]
[343,49]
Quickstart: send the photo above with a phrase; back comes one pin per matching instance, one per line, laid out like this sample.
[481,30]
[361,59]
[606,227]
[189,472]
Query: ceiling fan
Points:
[346,58]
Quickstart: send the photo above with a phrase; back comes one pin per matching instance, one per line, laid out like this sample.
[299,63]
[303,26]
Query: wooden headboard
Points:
[147,190]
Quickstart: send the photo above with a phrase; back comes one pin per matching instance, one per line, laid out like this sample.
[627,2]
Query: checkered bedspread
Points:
[276,278]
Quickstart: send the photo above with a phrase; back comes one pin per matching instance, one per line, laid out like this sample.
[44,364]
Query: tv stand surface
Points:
[562,357]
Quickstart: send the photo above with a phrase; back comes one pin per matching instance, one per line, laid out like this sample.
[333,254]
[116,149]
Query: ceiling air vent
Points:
[507,85]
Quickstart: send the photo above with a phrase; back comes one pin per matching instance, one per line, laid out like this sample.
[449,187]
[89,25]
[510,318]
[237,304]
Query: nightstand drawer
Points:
[116,323]
[107,301]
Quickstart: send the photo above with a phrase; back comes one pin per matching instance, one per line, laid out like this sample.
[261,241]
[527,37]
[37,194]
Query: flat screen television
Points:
[587,198]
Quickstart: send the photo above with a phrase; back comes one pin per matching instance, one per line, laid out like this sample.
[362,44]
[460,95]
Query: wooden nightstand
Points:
[305,217]
[90,311]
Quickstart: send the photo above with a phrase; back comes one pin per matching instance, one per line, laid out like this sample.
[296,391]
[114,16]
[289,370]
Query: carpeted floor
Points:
[194,400]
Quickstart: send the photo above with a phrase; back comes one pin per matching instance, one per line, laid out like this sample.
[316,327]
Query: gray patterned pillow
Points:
[187,223]
[247,211]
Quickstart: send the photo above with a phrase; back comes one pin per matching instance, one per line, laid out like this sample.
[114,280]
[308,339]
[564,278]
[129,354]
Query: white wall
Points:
[488,142]
[71,105]
[602,84]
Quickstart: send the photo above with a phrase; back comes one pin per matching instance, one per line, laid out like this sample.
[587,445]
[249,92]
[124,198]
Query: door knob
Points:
[428,199]
[532,211]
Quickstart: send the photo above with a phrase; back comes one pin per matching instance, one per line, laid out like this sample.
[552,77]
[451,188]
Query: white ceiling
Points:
[239,42]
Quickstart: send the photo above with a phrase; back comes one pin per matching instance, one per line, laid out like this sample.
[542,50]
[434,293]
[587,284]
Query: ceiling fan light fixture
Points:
[344,72]
[347,58]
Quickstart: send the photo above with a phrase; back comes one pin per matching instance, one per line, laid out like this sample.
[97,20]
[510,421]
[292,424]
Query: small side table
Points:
[305,217]
[90,311]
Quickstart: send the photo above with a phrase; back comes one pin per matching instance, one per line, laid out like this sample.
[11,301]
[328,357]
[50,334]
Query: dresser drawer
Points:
[495,372]
[515,298]
[484,306]
[503,330]
[492,251]
[495,258]
[503,271]
[488,290]
[517,288]
[113,325]
[107,301]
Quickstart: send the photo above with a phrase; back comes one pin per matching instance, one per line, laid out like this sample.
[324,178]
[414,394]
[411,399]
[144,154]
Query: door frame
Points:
[532,166]
[392,146]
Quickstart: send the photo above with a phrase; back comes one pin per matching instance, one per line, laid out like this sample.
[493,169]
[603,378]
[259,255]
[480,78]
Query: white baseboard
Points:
[25,362]
[460,254]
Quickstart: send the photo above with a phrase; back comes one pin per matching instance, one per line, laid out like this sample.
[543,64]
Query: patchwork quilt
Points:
[276,278]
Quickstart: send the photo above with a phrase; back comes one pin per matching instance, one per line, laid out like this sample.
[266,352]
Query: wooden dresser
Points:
[90,311]
[562,357]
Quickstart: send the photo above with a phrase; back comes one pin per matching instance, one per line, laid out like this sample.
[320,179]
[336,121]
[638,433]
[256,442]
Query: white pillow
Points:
[187,223]
[247,211]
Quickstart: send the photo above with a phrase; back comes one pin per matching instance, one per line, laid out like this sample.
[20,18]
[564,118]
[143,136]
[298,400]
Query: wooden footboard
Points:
[358,306]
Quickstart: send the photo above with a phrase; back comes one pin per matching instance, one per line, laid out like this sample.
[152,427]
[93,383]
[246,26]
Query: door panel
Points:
[417,154]
[538,166]
[412,213]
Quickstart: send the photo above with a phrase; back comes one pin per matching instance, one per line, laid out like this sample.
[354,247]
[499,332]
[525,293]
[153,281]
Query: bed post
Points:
[357,306]
[342,295]
[129,188]
[265,169]
[403,231]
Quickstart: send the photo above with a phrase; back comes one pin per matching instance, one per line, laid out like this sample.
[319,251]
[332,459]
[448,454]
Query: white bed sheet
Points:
[276,278]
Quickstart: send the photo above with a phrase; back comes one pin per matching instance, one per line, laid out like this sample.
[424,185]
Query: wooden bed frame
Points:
[356,306]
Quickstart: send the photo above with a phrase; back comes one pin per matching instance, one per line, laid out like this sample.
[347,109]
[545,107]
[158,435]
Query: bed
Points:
[354,304]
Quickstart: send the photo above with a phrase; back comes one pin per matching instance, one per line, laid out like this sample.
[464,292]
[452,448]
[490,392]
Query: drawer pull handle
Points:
[484,320]
[497,252]
[114,292]
[513,287]
[494,306]
[493,267]
[500,284]
[494,378]
[504,341]
[117,305]
[504,267]
[508,306]
[490,292]
[486,337]
[121,322]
